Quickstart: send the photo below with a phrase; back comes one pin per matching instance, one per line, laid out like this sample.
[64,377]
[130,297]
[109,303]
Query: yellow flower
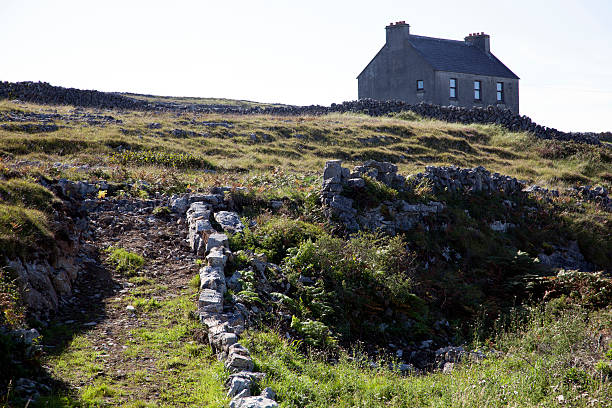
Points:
[102,194]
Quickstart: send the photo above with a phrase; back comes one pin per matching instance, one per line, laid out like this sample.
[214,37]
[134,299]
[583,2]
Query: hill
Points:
[382,259]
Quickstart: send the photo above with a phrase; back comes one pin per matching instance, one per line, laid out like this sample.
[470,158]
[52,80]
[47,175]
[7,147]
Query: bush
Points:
[590,290]
[354,282]
[12,312]
[275,237]
[314,333]
[161,158]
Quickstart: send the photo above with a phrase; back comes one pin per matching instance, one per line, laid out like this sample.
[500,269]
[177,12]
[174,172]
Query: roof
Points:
[458,56]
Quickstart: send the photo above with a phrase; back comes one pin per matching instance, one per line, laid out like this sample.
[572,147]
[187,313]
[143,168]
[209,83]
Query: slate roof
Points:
[457,56]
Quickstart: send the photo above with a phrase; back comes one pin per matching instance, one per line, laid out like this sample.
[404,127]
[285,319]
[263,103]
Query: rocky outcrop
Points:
[390,216]
[224,322]
[41,92]
[476,180]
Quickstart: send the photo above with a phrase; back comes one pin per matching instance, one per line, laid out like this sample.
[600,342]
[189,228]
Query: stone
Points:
[216,240]
[210,301]
[268,393]
[355,182]
[229,221]
[233,282]
[179,204]
[238,362]
[333,169]
[217,257]
[253,402]
[239,384]
[212,277]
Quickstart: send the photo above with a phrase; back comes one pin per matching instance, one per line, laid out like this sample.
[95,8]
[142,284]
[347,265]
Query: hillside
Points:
[299,256]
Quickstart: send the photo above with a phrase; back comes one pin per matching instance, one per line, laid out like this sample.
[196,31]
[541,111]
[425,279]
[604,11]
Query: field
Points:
[547,337]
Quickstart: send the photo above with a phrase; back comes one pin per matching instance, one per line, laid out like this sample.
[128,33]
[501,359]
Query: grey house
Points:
[414,69]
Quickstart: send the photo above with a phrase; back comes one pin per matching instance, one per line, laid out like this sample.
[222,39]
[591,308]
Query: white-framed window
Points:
[452,88]
[477,90]
[500,92]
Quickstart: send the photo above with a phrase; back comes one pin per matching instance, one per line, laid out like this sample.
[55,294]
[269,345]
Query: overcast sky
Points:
[306,52]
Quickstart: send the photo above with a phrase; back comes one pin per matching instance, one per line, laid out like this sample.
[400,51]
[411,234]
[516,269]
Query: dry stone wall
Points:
[393,216]
[41,92]
[224,321]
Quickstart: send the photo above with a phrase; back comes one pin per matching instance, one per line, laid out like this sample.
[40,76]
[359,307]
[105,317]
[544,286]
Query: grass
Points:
[549,358]
[23,230]
[548,352]
[161,363]
[124,261]
[299,145]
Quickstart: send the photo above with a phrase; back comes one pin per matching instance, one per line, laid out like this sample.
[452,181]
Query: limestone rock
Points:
[253,402]
[229,221]
[210,301]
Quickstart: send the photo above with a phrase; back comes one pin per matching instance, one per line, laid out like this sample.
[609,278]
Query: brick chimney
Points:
[397,33]
[480,40]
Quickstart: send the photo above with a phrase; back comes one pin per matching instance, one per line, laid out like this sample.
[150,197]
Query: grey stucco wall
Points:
[393,73]
[465,91]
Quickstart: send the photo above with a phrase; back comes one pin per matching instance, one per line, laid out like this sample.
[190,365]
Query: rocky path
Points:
[114,318]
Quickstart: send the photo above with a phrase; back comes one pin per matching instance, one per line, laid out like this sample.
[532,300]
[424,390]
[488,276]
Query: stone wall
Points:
[398,215]
[40,92]
[224,321]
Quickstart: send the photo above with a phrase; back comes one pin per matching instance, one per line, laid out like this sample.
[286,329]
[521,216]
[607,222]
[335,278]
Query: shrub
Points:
[161,158]
[124,261]
[354,281]
[12,312]
[314,333]
[591,290]
[275,237]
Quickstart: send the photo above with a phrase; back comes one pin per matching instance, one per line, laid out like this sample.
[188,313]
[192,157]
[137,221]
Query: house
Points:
[414,69]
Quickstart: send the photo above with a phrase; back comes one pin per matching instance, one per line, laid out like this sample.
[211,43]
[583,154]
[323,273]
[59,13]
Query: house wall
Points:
[393,73]
[465,91]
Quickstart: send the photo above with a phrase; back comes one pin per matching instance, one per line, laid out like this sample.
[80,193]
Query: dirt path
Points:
[129,339]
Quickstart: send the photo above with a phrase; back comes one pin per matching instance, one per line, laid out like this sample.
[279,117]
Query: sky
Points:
[306,52]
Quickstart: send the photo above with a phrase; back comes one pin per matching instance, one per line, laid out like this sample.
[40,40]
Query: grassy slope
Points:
[303,144]
[198,101]
[286,155]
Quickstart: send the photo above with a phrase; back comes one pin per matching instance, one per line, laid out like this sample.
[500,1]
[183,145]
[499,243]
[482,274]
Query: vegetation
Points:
[183,372]
[335,302]
[125,262]
[549,356]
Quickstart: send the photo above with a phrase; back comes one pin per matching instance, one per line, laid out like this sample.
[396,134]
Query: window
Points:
[500,92]
[453,88]
[477,89]
[420,85]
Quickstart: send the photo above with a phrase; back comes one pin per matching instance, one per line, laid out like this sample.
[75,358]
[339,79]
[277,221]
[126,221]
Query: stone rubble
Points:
[224,322]
[390,216]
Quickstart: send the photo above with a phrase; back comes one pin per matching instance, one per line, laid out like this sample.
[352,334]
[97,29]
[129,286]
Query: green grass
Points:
[300,145]
[162,364]
[548,355]
[124,261]
[23,230]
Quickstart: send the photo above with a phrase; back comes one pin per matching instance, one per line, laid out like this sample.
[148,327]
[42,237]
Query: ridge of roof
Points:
[460,57]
